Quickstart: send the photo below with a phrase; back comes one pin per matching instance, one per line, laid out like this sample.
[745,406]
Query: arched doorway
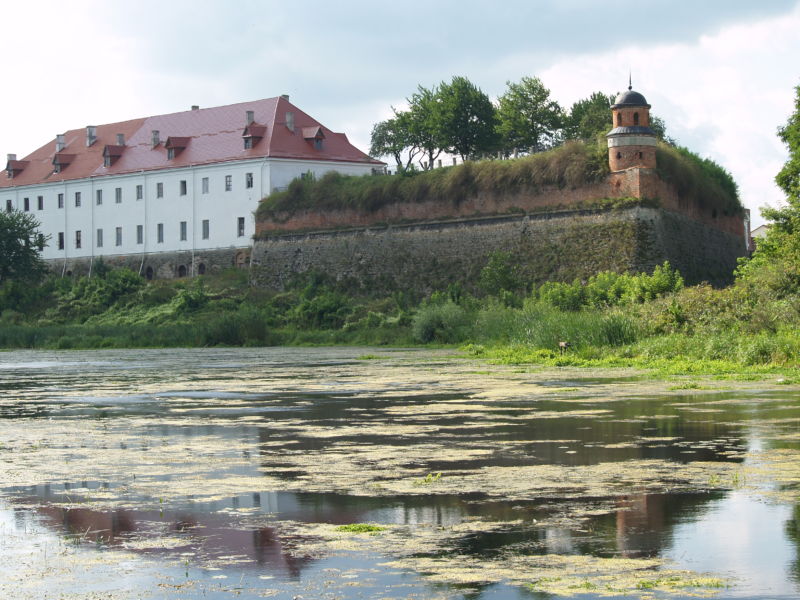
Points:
[201,269]
[148,273]
[182,271]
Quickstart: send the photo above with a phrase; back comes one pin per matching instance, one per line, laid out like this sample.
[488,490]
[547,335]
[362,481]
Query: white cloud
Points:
[723,96]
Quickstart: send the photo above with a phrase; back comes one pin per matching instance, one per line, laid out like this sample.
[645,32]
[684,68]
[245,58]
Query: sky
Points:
[721,73]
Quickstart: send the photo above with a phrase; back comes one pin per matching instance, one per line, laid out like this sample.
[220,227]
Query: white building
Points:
[170,195]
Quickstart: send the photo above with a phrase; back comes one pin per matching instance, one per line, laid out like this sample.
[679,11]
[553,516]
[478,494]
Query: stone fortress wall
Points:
[555,234]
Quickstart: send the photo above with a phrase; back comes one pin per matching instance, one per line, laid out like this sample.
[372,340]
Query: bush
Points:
[445,323]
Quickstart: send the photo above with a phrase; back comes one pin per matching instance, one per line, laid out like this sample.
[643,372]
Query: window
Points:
[77,239]
[170,153]
[248,143]
[107,160]
[9,206]
[160,233]
[183,231]
[99,200]
[139,192]
[77,198]
[240,226]
[317,144]
[159,190]
[61,201]
[40,203]
[60,240]
[119,236]
[26,203]
[205,229]
[248,180]
[228,183]
[99,238]
[118,195]
[182,187]
[636,118]
[619,119]
[204,184]
[140,234]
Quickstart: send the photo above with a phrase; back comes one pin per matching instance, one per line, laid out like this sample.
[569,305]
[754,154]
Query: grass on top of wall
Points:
[699,180]
[572,165]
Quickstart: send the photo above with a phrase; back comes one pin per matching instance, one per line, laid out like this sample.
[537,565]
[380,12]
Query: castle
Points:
[174,195]
[170,195]
[631,220]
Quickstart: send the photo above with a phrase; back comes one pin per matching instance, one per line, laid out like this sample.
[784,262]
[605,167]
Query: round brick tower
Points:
[631,143]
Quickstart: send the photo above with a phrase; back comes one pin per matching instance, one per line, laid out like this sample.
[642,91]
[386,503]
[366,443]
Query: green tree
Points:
[424,124]
[467,118]
[394,138]
[528,119]
[589,118]
[776,262]
[20,245]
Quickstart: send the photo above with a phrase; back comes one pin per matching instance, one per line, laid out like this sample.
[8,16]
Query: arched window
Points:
[635,119]
[148,273]
[619,154]
[201,268]
[182,271]
[619,119]
[641,155]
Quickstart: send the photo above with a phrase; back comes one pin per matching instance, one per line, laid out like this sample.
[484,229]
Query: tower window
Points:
[641,155]
[619,119]
[619,154]
[635,118]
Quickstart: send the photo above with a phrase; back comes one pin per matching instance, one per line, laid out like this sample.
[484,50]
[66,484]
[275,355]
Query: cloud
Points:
[723,96]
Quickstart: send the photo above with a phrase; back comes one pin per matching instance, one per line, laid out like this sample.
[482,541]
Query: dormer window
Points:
[253,133]
[111,154]
[61,161]
[314,135]
[176,145]
[15,167]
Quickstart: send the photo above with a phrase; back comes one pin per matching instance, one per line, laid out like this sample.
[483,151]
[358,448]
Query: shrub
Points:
[440,322]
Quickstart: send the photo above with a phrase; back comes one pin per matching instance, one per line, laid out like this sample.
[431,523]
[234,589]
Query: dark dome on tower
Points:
[630,98]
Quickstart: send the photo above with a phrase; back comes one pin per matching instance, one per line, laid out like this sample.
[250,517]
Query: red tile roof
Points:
[215,135]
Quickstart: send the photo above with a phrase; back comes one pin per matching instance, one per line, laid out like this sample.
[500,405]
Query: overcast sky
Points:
[720,72]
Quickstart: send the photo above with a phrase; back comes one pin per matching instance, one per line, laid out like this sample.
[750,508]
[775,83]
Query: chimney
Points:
[60,144]
[285,97]
[251,117]
[10,157]
[91,135]
[156,137]
[120,139]
[195,107]
[290,120]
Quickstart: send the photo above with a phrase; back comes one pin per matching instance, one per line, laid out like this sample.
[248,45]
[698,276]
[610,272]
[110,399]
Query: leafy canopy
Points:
[528,119]
[20,244]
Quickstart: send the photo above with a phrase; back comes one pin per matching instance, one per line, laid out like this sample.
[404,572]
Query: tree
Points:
[528,120]
[776,262]
[467,118]
[588,118]
[20,244]
[424,124]
[393,138]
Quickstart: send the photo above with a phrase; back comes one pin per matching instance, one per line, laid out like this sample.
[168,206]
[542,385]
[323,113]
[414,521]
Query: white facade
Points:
[213,204]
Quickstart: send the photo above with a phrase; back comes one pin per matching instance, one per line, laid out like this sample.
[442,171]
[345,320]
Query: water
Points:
[221,473]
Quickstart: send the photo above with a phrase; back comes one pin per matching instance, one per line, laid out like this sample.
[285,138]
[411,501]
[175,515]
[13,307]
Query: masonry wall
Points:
[159,265]
[558,245]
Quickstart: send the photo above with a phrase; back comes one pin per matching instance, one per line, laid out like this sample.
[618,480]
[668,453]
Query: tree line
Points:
[458,118]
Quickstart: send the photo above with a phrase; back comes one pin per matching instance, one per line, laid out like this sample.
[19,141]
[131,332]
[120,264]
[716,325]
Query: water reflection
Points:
[262,407]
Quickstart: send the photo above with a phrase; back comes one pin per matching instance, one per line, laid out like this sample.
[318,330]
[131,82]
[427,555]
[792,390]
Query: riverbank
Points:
[646,321]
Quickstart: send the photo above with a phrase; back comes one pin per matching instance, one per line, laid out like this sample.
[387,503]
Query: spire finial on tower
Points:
[630,80]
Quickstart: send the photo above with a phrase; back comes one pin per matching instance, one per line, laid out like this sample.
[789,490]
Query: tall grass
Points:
[571,165]
[700,181]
